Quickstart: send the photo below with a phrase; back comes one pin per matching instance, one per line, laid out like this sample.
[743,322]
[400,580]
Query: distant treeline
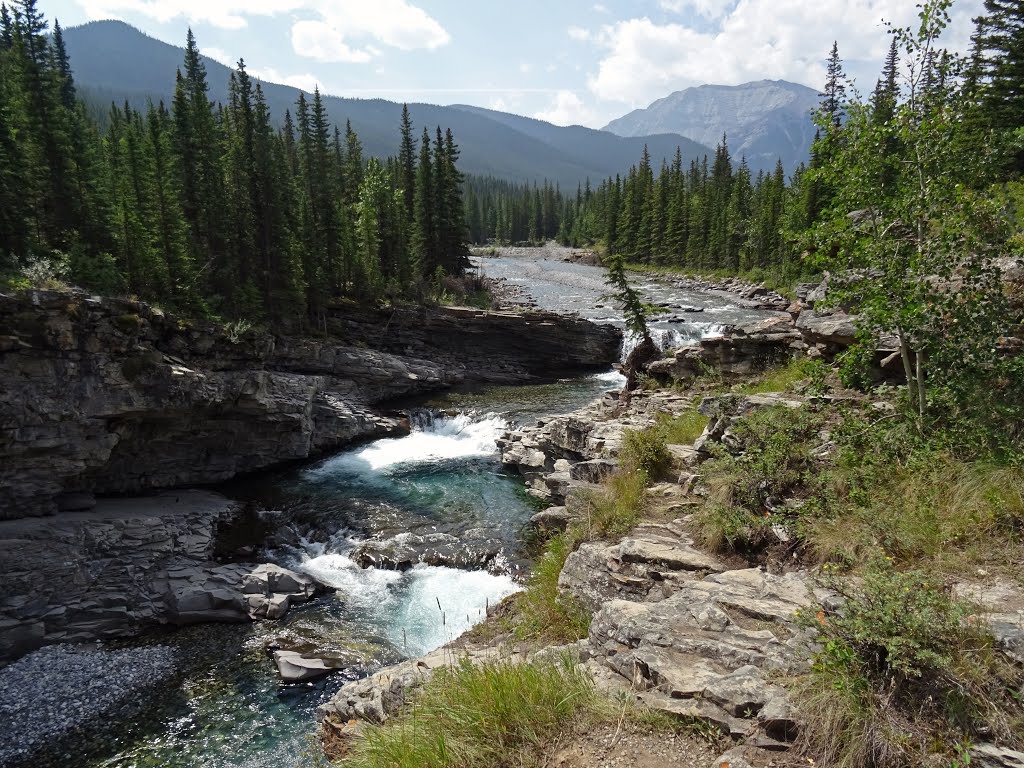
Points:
[709,215]
[714,215]
[206,207]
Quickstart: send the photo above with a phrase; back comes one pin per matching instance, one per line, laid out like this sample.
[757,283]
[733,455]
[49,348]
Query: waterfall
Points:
[434,437]
[672,338]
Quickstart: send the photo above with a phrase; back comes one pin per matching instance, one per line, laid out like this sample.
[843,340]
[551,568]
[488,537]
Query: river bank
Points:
[698,616]
[389,528]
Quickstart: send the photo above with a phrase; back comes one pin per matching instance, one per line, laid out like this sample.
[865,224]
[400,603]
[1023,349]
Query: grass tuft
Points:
[541,612]
[495,715]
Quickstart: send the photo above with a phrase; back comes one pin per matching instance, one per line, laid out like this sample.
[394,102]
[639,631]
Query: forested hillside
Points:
[888,178]
[115,62]
[205,206]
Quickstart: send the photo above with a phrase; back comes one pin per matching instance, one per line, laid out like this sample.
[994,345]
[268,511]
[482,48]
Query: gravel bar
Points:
[62,691]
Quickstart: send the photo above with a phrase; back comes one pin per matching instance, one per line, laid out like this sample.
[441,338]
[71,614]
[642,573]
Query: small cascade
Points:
[672,338]
[434,437]
[417,610]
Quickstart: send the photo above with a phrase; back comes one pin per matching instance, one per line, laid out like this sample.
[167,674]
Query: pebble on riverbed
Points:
[49,695]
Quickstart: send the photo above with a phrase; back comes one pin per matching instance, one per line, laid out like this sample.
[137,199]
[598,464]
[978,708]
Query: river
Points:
[441,485]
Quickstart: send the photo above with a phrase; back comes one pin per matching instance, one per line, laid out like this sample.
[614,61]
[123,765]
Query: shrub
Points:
[903,671]
[645,451]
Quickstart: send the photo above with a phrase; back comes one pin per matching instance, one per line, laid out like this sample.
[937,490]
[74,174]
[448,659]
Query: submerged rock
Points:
[296,668]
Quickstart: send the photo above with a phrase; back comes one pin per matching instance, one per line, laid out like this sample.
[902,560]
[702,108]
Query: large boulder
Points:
[270,590]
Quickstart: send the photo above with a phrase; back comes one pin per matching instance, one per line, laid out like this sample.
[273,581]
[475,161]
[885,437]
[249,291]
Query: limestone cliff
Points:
[115,396]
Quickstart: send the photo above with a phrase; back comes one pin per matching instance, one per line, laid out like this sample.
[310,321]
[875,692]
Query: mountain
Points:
[113,61]
[763,121]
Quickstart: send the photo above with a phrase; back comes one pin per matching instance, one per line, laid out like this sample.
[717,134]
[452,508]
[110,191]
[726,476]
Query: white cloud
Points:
[394,23]
[303,82]
[320,41]
[579,33]
[219,54]
[758,39]
[525,68]
[226,14]
[566,108]
[601,8]
[342,23]
[709,9]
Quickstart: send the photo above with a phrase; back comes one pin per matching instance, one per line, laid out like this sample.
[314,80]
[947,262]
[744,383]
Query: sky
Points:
[565,61]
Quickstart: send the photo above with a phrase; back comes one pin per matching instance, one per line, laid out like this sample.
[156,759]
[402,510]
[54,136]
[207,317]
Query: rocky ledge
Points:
[128,564]
[681,631]
[103,396]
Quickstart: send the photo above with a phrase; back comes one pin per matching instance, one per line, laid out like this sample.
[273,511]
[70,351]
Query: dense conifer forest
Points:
[229,210]
[208,207]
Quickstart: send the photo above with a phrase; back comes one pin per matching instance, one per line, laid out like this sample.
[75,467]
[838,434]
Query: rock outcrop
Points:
[128,564]
[741,351]
[579,449]
[103,396]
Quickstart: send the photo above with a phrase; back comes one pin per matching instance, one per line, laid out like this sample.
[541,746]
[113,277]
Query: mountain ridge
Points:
[763,120]
[113,61]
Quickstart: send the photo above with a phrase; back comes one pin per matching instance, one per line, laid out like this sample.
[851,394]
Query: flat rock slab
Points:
[707,650]
[647,565]
[991,756]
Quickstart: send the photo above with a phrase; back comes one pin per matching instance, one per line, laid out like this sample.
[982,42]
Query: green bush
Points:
[903,671]
[645,451]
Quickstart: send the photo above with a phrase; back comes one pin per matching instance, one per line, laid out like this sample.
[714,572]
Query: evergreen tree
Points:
[407,163]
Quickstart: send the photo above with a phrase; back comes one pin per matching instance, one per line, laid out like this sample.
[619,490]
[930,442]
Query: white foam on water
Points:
[460,437]
[418,625]
[369,589]
[612,377]
[405,605]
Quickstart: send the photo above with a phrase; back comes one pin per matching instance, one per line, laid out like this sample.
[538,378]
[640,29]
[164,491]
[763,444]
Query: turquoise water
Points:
[229,708]
[444,479]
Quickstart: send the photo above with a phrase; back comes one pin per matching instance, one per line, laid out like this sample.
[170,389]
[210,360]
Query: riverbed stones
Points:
[52,693]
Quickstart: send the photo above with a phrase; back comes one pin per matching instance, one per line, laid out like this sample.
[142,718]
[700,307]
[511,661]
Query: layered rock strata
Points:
[102,396]
[128,564]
